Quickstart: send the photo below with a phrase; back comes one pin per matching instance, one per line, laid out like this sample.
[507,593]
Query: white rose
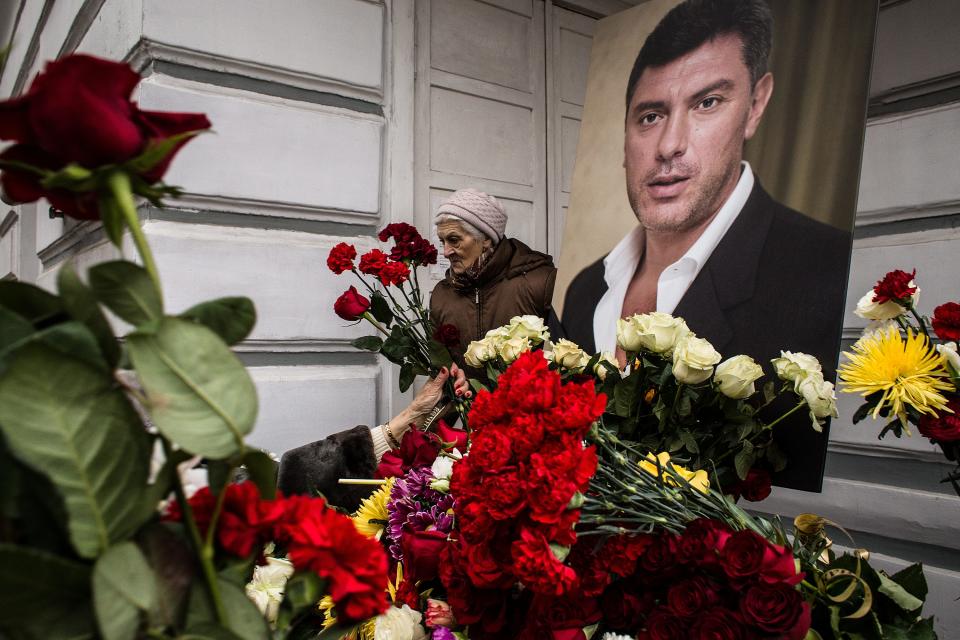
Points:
[569,356]
[511,349]
[656,332]
[948,351]
[867,308]
[794,367]
[266,587]
[735,377]
[400,623]
[442,470]
[693,359]
[529,327]
[601,370]
[480,351]
[820,398]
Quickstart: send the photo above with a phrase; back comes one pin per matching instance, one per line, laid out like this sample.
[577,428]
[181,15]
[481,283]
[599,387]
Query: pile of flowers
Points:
[317,539]
[502,346]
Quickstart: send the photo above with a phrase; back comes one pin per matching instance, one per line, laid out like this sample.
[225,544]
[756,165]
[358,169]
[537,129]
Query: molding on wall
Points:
[8,222]
[883,451]
[31,54]
[74,240]
[907,214]
[146,51]
[81,24]
[298,346]
[273,209]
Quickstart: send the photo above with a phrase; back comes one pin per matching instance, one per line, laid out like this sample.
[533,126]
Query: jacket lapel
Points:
[730,274]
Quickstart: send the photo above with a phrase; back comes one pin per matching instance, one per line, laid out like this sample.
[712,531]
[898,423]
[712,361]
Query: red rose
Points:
[777,609]
[79,111]
[717,623]
[448,335]
[700,540]
[663,625]
[689,597]
[755,487]
[417,450]
[946,321]
[624,608]
[942,428]
[451,438]
[485,569]
[372,262]
[351,305]
[395,273]
[421,554]
[747,554]
[896,286]
[660,557]
[341,258]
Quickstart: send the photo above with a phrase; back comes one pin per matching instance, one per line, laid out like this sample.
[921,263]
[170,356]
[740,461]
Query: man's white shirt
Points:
[621,263]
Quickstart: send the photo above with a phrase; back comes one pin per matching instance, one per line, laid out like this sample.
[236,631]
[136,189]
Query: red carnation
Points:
[946,321]
[944,427]
[395,273]
[351,305]
[776,609]
[409,245]
[372,262]
[341,258]
[79,111]
[537,567]
[448,335]
[896,286]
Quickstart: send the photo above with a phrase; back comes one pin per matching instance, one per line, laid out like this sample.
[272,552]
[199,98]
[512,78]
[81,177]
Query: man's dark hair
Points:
[695,22]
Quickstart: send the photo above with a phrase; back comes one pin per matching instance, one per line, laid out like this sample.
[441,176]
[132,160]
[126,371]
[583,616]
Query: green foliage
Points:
[380,308]
[127,290]
[79,301]
[199,394]
[36,584]
[123,587]
[39,307]
[246,621]
[368,343]
[67,419]
[230,318]
[263,472]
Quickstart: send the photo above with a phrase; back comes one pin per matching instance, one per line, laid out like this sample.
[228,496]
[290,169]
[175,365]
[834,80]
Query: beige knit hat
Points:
[479,209]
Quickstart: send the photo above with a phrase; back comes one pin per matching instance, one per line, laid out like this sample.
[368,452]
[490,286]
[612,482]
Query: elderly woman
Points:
[355,453]
[491,278]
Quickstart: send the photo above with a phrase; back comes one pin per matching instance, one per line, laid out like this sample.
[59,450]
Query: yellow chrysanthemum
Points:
[697,479]
[372,514]
[364,632]
[905,370]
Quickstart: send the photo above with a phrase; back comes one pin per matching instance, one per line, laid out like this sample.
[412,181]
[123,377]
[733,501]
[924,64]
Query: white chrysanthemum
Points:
[266,587]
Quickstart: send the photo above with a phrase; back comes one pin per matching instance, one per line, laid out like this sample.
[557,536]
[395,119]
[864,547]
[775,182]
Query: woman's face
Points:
[459,247]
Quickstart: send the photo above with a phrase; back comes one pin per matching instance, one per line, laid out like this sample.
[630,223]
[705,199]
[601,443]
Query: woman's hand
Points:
[427,398]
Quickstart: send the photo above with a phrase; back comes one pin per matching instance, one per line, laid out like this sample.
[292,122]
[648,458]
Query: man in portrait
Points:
[747,273]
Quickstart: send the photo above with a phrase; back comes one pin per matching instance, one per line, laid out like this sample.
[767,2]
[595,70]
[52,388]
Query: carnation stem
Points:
[119,183]
[205,558]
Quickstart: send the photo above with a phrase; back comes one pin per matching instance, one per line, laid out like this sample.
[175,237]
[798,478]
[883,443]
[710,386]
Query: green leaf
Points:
[112,218]
[81,304]
[230,318]
[398,346]
[73,340]
[245,621]
[157,151]
[208,631]
[337,632]
[263,471]
[898,594]
[72,177]
[39,307]
[625,395]
[35,584]
[123,586]
[15,330]
[912,579]
[67,419]
[776,456]
[769,391]
[219,474]
[175,570]
[368,343]
[380,309]
[200,395]
[127,290]
[689,441]
[743,462]
[407,376]
[304,589]
[439,355]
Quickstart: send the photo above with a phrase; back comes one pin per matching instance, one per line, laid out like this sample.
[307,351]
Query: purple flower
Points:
[443,633]
[414,506]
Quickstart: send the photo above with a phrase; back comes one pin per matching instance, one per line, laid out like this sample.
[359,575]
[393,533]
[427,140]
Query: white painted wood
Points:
[309,160]
[53,35]
[19,45]
[283,272]
[115,31]
[9,244]
[910,162]
[302,404]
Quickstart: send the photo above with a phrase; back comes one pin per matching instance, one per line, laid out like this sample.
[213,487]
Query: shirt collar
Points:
[622,261]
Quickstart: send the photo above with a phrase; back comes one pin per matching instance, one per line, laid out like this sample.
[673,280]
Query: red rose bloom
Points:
[689,597]
[625,606]
[746,555]
[79,111]
[946,321]
[395,273]
[372,262]
[755,487]
[421,554]
[776,609]
[341,258]
[718,624]
[663,625]
[895,286]
[351,305]
[417,449]
[448,335]
[942,428]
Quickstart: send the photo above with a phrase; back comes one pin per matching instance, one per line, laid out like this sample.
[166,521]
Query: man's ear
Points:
[758,104]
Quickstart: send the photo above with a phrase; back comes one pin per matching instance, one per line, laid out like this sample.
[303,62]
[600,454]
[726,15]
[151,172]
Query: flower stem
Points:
[205,558]
[119,183]
[794,410]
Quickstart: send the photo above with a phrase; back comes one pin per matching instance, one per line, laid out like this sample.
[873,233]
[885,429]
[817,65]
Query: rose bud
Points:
[351,305]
